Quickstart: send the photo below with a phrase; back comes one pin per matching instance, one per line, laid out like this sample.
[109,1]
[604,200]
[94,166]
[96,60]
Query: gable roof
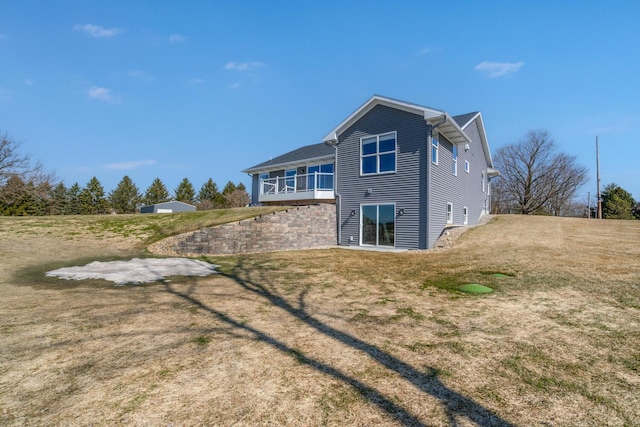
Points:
[463,120]
[300,156]
[449,127]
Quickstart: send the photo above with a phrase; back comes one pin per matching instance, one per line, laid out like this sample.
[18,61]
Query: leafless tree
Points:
[15,164]
[25,185]
[535,178]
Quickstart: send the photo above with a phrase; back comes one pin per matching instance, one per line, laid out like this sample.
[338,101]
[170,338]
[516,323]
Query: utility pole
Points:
[598,180]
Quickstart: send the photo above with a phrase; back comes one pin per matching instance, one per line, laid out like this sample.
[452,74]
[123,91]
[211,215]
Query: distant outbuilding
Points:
[168,207]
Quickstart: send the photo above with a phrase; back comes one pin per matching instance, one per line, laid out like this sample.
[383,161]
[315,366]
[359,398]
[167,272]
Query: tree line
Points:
[536,179]
[27,189]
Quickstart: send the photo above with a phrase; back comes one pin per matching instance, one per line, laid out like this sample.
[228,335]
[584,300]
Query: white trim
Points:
[360,233]
[449,213]
[465,215]
[427,113]
[467,166]
[454,153]
[437,147]
[288,165]
[378,154]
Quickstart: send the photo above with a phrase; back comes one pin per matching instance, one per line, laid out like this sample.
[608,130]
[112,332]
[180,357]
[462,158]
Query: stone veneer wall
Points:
[302,227]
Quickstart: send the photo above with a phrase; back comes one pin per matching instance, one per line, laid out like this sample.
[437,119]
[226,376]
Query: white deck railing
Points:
[304,183]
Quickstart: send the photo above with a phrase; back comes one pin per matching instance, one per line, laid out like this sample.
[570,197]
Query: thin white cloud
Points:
[140,75]
[176,38]
[97,30]
[428,50]
[243,66]
[499,69]
[129,165]
[101,94]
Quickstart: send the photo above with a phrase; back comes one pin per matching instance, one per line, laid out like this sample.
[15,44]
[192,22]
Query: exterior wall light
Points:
[401,212]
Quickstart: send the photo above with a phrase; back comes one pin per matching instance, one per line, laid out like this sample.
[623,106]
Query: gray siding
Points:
[255,189]
[406,188]
[462,190]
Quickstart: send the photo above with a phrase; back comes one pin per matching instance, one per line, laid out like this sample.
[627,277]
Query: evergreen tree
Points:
[229,188]
[73,206]
[185,192]
[617,203]
[92,198]
[15,199]
[208,191]
[59,200]
[209,196]
[156,193]
[126,197]
[41,195]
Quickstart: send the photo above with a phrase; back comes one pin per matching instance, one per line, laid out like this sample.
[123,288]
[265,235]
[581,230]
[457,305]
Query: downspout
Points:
[429,137]
[334,143]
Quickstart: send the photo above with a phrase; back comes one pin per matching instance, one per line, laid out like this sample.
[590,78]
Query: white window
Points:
[465,214]
[378,154]
[434,149]
[455,160]
[466,166]
[449,213]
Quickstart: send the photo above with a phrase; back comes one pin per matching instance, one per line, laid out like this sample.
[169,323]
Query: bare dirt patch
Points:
[331,337]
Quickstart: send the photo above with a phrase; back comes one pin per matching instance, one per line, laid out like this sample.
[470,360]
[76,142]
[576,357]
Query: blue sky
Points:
[205,89]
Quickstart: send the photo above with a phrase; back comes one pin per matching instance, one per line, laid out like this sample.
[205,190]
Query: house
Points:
[168,207]
[399,174]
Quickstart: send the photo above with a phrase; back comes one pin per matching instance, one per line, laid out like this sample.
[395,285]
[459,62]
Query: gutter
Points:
[334,143]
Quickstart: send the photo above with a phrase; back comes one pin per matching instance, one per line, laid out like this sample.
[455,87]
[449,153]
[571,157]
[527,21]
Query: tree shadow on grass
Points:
[456,405]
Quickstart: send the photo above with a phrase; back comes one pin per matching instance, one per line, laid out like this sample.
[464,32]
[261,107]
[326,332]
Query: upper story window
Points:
[434,148]
[378,154]
[455,160]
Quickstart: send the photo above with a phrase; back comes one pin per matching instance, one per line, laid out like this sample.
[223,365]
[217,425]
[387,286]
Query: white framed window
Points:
[449,213]
[320,177]
[378,225]
[378,154]
[465,215]
[466,166]
[455,160]
[434,148]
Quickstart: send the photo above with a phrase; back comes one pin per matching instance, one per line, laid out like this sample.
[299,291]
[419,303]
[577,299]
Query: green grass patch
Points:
[203,340]
[475,288]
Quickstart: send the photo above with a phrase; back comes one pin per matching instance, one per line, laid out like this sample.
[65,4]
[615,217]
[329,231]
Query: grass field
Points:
[325,337]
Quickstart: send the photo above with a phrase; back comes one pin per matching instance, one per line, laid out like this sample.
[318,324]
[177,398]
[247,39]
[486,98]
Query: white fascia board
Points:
[470,121]
[370,104]
[450,129]
[483,137]
[296,163]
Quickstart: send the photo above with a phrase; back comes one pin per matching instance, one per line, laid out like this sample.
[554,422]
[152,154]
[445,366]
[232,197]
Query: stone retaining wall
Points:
[303,227]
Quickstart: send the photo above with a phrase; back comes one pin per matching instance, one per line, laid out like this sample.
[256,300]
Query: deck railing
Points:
[317,181]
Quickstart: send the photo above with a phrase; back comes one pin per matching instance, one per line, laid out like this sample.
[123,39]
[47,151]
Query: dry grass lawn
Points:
[326,337]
